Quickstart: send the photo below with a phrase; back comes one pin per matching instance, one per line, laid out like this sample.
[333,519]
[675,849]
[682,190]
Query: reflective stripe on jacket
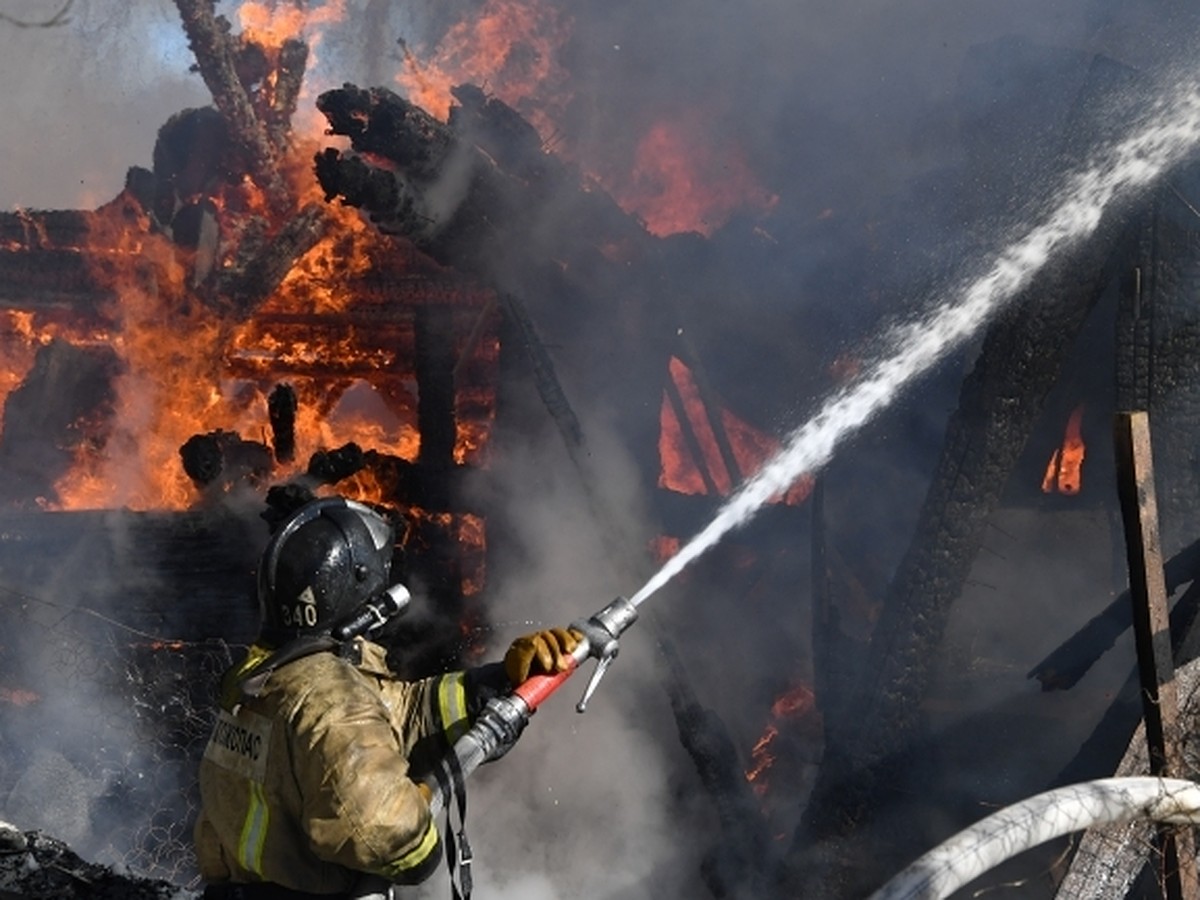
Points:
[308,784]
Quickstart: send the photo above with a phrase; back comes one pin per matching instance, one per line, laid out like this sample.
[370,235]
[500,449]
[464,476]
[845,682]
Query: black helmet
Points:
[331,556]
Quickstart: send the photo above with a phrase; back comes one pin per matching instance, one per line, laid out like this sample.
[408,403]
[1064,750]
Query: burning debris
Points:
[230,326]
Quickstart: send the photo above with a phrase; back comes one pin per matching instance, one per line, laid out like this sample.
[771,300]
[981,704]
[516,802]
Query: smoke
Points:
[861,119]
[600,804]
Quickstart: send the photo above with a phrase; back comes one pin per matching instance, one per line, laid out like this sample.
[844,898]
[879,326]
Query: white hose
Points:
[1041,818]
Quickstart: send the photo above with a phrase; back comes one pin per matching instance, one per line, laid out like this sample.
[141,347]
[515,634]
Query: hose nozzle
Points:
[601,632]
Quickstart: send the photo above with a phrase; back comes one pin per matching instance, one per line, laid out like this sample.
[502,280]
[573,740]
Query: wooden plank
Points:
[1111,857]
[1152,635]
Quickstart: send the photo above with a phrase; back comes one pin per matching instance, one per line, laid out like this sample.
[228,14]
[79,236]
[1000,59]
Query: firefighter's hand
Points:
[541,653]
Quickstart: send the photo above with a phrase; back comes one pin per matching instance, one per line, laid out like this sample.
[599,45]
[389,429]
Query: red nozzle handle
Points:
[535,689]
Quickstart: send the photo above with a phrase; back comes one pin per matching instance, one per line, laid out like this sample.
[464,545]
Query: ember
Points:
[794,703]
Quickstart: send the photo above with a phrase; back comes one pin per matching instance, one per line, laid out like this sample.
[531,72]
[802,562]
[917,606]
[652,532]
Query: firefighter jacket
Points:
[309,783]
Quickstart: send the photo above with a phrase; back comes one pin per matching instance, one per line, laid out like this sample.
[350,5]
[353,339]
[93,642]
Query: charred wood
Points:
[1016,368]
[194,156]
[1162,345]
[281,411]
[413,484]
[1109,860]
[263,260]
[1017,365]
[831,648]
[332,466]
[502,133]
[545,377]
[365,187]
[742,859]
[1152,636]
[435,360]
[42,229]
[221,460]
[575,260]
[52,282]
[283,500]
[380,122]
[740,863]
[203,560]
[63,404]
[1096,756]
[289,76]
[38,866]
[218,55]
[455,199]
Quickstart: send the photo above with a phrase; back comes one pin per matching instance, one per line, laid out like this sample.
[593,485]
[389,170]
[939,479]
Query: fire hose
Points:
[1014,829]
[501,721]
[503,718]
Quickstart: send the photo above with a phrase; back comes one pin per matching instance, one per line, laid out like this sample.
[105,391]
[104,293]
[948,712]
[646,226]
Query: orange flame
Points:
[751,448]
[1064,472]
[510,48]
[684,181]
[270,24]
[793,703]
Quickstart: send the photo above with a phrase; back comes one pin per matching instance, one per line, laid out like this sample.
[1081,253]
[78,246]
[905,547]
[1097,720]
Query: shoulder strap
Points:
[458,850]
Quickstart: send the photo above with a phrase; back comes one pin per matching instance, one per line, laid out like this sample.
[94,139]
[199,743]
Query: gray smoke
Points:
[860,117]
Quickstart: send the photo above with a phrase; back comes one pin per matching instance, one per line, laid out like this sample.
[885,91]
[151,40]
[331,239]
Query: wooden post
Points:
[1152,634]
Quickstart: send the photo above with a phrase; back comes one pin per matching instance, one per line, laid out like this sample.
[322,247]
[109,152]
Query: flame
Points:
[186,369]
[270,24]
[796,702]
[751,448]
[509,47]
[1064,472]
[683,180]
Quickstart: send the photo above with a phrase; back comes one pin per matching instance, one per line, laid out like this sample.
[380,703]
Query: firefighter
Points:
[311,776]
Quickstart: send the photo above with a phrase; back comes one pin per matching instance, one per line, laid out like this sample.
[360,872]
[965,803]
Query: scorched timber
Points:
[559,250]
[175,576]
[262,264]
[217,54]
[454,198]
[1000,399]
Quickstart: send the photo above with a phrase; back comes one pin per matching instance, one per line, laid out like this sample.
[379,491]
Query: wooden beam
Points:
[1152,635]
[1110,858]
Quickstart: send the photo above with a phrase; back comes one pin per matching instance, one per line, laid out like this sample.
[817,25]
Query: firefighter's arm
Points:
[361,809]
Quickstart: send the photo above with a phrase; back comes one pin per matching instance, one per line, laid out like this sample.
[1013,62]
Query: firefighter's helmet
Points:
[323,562]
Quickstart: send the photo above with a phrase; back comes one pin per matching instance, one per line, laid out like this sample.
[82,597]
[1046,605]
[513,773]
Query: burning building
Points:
[419,294]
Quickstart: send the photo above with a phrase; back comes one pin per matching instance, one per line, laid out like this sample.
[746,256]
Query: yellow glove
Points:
[541,653]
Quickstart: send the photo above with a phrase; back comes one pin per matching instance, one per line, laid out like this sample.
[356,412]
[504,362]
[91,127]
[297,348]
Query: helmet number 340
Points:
[303,614]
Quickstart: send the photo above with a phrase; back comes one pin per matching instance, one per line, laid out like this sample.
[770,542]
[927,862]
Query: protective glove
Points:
[541,653]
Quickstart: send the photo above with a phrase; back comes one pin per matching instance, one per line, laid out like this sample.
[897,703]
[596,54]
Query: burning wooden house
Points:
[379,311]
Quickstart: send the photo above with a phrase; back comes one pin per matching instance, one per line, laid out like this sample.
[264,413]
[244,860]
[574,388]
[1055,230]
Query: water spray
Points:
[1170,131]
